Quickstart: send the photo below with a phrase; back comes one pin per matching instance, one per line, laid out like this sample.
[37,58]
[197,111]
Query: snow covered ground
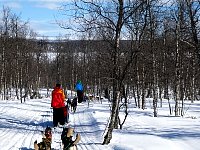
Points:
[20,126]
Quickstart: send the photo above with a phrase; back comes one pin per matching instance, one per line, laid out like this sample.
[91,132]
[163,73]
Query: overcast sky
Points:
[41,14]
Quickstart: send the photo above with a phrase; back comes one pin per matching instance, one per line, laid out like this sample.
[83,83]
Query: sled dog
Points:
[46,140]
[67,142]
[74,104]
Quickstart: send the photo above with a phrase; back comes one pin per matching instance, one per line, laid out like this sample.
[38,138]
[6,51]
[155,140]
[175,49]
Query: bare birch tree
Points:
[107,20]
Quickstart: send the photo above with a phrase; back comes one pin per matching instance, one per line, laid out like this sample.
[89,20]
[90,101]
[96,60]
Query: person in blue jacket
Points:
[79,90]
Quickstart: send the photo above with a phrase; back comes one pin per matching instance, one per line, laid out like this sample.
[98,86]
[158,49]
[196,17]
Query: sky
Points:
[41,14]
[21,124]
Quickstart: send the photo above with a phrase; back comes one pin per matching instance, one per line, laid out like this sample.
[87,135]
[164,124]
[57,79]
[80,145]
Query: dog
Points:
[46,140]
[74,104]
[67,142]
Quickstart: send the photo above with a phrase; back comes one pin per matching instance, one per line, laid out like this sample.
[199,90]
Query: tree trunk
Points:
[194,25]
[114,114]
[177,69]
[143,88]
[152,49]
[116,86]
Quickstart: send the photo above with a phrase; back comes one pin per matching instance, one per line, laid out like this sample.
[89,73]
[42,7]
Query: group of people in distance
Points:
[60,110]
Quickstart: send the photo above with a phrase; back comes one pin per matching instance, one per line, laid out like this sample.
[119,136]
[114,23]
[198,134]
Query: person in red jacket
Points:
[58,104]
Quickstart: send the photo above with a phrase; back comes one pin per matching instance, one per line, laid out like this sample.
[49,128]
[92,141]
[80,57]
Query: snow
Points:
[21,124]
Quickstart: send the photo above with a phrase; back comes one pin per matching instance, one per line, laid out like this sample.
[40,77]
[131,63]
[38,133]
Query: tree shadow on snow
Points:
[25,148]
[171,133]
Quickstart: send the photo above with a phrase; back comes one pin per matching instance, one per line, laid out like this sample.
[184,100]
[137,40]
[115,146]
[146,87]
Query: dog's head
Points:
[67,132]
[48,132]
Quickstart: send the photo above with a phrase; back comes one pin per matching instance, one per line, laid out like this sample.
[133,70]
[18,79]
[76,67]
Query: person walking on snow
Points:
[79,90]
[58,104]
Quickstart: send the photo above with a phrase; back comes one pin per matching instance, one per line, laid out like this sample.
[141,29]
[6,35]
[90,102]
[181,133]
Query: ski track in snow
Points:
[83,123]
[86,122]
[21,125]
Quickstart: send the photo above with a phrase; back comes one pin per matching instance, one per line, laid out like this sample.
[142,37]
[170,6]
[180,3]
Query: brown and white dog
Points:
[46,140]
[67,141]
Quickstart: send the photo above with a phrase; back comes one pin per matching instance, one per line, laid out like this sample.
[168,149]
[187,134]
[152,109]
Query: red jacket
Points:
[58,98]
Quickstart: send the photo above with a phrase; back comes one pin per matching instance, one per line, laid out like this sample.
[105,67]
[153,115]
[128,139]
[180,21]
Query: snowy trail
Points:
[17,127]
[21,125]
[85,124]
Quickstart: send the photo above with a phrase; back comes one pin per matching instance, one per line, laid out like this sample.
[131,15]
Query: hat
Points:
[70,132]
[58,85]
[79,81]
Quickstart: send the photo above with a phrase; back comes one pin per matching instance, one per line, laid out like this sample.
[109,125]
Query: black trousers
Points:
[80,96]
[58,116]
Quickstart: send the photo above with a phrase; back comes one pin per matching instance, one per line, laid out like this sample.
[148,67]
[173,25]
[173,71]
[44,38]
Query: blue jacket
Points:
[79,86]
